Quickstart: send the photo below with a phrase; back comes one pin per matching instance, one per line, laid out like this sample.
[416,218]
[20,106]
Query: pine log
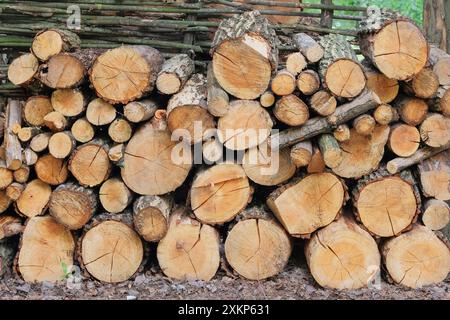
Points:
[14,190]
[99,112]
[362,154]
[434,174]
[317,164]
[268,168]
[308,47]
[364,124]
[13,149]
[257,247]
[386,89]
[245,126]
[68,102]
[435,130]
[89,163]
[386,205]
[50,42]
[148,165]
[139,111]
[343,255]
[219,193]
[34,199]
[342,133]
[35,109]
[244,54]
[62,71]
[411,110]
[301,154]
[187,113]
[40,142]
[436,214]
[139,67]
[339,69]
[82,130]
[291,110]
[174,74]
[331,152]
[440,61]
[323,103]
[51,170]
[295,63]
[55,121]
[61,144]
[151,216]
[217,98]
[308,82]
[114,195]
[394,44]
[6,175]
[111,251]
[46,250]
[267,99]
[304,206]
[189,250]
[385,114]
[23,69]
[120,130]
[404,140]
[417,258]
[22,174]
[283,83]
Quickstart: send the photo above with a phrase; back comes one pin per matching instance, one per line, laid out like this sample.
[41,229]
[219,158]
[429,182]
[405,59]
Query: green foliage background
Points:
[410,8]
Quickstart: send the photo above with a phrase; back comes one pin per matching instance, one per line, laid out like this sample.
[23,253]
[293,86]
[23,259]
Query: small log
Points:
[308,82]
[411,110]
[436,214]
[25,134]
[385,114]
[364,124]
[13,149]
[257,247]
[308,47]
[62,71]
[40,142]
[435,130]
[283,83]
[14,190]
[301,154]
[219,193]
[217,98]
[212,151]
[190,249]
[34,199]
[61,144]
[29,157]
[425,84]
[72,205]
[51,170]
[125,84]
[404,140]
[139,111]
[267,99]
[151,216]
[22,174]
[6,175]
[82,130]
[174,74]
[99,112]
[417,258]
[291,110]
[304,206]
[331,152]
[333,251]
[295,63]
[434,174]
[50,42]
[317,164]
[55,121]
[116,154]
[342,133]
[90,164]
[440,61]
[386,89]
[120,130]
[114,195]
[23,69]
[35,109]
[323,103]
[38,261]
[68,102]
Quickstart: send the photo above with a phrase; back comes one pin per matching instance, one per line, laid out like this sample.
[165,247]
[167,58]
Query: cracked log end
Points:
[190,250]
[126,73]
[386,89]
[257,248]
[416,258]
[99,112]
[291,110]
[22,70]
[51,170]
[111,251]
[34,199]
[62,71]
[345,78]
[35,109]
[309,204]
[399,49]
[435,130]
[404,140]
[343,256]
[219,193]
[46,250]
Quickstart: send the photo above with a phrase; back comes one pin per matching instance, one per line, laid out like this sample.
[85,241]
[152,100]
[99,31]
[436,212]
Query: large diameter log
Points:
[315,126]
[46,250]
[434,174]
[257,247]
[244,54]
[174,74]
[435,130]
[386,205]
[395,45]
[50,42]
[313,202]
[436,214]
[10,140]
[139,67]
[245,126]
[114,195]
[99,112]
[219,193]
[190,249]
[417,258]
[151,216]
[153,164]
[72,205]
[23,69]
[90,164]
[35,109]
[51,170]
[187,114]
[111,251]
[308,47]
[343,256]
[291,110]
[34,199]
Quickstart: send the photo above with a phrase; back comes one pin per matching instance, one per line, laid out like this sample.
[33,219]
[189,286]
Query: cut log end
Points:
[114,195]
[345,78]
[22,70]
[35,109]
[283,83]
[323,103]
[62,71]
[435,130]
[436,214]
[404,140]
[99,112]
[291,110]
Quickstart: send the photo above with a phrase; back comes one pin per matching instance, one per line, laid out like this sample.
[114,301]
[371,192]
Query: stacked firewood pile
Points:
[123,148]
